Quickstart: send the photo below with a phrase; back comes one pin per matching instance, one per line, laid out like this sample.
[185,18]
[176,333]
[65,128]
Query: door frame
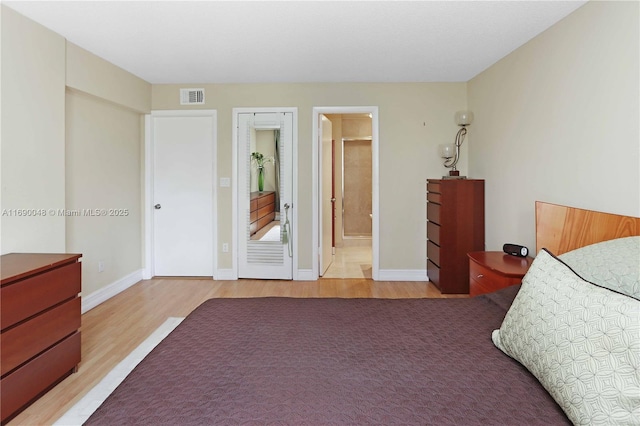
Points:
[235,189]
[148,251]
[375,178]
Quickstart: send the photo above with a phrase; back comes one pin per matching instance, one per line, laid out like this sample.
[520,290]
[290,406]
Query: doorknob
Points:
[157,206]
[333,200]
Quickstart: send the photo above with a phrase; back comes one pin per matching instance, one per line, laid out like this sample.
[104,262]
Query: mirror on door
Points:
[265,147]
[264,199]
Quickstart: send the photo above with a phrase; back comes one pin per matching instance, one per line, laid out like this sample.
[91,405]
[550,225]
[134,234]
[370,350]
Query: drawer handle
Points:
[480,276]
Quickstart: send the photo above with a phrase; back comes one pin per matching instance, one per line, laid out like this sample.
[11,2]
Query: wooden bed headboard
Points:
[560,229]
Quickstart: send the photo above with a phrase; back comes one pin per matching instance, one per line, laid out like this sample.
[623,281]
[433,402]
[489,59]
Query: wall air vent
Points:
[191,96]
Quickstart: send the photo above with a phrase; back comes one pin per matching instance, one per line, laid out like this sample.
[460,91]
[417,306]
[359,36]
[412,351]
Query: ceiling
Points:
[298,41]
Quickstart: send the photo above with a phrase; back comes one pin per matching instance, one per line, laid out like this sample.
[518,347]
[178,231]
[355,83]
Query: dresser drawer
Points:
[433,212]
[433,232]
[267,199]
[264,211]
[34,336]
[39,374]
[433,272]
[433,187]
[25,298]
[253,205]
[434,197]
[433,253]
[264,221]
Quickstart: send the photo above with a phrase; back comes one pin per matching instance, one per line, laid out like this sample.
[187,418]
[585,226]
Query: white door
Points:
[265,222]
[183,194]
[326,194]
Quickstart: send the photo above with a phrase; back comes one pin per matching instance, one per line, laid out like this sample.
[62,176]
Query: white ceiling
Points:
[301,41]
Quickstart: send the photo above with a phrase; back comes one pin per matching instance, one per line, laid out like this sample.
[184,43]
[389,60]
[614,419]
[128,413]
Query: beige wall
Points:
[66,150]
[558,120]
[103,172]
[414,119]
[104,166]
[89,73]
[33,75]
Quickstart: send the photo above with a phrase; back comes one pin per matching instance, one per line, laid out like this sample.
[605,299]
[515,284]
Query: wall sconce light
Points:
[451,152]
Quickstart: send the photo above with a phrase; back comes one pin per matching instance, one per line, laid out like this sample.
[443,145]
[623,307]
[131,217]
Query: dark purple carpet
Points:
[332,361]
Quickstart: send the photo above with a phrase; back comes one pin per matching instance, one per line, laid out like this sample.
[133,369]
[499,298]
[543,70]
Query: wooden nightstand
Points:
[492,270]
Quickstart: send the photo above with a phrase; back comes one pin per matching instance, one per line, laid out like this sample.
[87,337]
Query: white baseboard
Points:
[306,275]
[225,275]
[402,275]
[228,275]
[105,293]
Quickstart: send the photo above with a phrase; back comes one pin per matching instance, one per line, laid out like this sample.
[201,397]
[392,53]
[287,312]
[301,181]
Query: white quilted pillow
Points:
[581,341]
[613,264]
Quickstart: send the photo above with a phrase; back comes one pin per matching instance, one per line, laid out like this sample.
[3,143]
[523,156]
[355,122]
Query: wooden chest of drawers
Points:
[262,210]
[40,318]
[455,214]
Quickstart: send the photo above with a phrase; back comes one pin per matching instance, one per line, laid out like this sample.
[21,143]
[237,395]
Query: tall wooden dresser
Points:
[39,319]
[455,227]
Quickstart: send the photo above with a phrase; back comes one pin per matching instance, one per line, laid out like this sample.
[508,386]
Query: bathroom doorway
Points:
[353,183]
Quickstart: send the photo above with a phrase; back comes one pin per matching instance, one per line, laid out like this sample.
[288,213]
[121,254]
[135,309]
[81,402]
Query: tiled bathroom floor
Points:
[350,262]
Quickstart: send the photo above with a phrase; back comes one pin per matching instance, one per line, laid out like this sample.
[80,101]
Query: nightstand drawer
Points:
[484,275]
[492,271]
[483,280]
[477,288]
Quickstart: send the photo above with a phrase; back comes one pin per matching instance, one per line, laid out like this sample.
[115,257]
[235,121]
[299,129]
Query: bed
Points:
[373,361]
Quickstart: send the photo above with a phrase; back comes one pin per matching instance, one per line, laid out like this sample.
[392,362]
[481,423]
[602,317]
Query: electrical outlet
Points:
[100,265]
[225,247]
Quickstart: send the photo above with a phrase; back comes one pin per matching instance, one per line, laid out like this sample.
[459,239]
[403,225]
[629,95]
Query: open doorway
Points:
[354,230]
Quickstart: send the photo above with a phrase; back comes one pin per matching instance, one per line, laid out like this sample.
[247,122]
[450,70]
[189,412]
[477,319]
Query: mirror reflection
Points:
[264,200]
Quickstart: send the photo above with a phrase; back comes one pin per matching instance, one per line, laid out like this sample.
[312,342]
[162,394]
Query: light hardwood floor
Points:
[113,329]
